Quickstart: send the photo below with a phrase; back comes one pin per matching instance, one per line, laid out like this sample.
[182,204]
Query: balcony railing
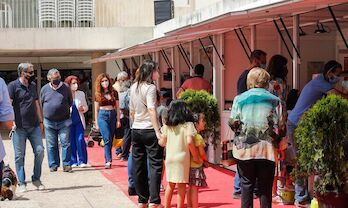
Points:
[48,13]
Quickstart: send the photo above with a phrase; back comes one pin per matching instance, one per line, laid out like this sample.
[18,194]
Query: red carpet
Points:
[218,194]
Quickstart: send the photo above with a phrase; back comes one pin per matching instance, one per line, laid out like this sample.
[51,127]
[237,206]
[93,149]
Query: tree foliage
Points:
[322,138]
[203,102]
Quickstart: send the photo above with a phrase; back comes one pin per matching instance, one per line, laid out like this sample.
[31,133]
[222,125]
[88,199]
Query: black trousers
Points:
[146,147]
[262,171]
[126,137]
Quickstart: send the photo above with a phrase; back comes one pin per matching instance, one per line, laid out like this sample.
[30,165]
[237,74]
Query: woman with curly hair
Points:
[106,108]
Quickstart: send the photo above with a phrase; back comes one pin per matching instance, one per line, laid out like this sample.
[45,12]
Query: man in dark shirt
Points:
[56,100]
[258,58]
[28,121]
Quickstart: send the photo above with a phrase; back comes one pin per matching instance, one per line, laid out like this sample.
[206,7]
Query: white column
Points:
[296,61]
[253,37]
[218,90]
[156,59]
[176,62]
[191,57]
[173,73]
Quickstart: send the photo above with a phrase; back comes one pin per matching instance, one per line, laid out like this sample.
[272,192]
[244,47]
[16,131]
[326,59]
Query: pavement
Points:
[83,188]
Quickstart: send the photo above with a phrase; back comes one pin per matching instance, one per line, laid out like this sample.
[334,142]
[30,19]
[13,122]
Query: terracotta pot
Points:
[331,200]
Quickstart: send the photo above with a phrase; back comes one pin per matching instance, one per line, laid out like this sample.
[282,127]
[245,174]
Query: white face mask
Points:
[345,84]
[74,86]
[105,84]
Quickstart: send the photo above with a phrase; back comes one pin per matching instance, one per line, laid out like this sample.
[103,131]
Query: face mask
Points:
[56,82]
[263,66]
[74,87]
[30,78]
[334,79]
[345,84]
[105,84]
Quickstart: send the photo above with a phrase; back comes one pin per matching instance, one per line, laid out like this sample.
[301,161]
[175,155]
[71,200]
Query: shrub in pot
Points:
[204,102]
[322,138]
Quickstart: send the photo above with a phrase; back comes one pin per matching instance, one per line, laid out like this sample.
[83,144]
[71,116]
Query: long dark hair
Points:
[277,67]
[145,72]
[179,113]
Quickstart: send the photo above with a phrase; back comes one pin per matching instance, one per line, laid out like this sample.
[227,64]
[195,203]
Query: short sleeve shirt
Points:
[311,93]
[198,141]
[196,83]
[6,112]
[23,101]
[242,82]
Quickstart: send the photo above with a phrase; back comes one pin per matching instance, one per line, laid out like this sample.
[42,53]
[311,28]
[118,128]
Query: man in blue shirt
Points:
[314,90]
[56,100]
[28,121]
[6,119]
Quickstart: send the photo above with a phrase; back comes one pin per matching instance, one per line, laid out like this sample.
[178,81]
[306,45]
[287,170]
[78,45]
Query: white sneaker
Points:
[74,166]
[83,165]
[108,165]
[22,188]
[39,186]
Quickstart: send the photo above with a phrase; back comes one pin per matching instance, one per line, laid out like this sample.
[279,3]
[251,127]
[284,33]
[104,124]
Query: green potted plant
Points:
[322,138]
[203,102]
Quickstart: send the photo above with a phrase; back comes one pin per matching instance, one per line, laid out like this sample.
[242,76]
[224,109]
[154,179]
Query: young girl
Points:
[197,176]
[177,136]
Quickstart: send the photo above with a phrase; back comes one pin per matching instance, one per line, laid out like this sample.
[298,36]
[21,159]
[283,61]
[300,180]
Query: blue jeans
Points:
[130,172]
[236,184]
[301,191]
[19,140]
[107,126]
[53,131]
[78,144]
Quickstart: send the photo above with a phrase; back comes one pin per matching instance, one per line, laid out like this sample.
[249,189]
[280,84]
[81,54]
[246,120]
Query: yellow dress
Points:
[177,152]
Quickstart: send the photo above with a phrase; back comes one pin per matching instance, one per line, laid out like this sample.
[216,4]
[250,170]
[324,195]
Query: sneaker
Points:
[237,195]
[142,205]
[74,166]
[22,188]
[84,165]
[67,168]
[131,191]
[53,169]
[118,156]
[304,204]
[108,165]
[39,186]
[152,205]
[124,159]
[162,188]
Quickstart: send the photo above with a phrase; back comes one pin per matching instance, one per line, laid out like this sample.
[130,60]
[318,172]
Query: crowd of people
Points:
[161,135]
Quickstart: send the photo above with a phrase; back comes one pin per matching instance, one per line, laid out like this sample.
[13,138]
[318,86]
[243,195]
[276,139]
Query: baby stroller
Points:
[94,136]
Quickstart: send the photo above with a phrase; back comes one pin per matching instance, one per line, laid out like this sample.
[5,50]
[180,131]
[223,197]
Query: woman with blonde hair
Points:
[106,108]
[257,120]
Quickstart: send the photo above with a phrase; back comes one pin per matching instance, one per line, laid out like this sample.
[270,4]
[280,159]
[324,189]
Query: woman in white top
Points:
[77,110]
[145,135]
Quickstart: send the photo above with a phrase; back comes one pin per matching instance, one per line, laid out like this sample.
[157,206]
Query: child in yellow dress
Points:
[197,176]
[177,136]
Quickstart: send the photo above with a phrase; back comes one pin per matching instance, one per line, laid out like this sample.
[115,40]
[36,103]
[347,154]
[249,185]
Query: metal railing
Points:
[47,13]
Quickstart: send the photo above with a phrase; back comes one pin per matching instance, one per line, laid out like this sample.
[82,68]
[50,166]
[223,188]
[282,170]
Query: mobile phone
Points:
[11,132]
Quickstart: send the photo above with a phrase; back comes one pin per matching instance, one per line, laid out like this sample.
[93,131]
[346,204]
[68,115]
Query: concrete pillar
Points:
[173,73]
[97,69]
[253,38]
[296,61]
[191,57]
[218,91]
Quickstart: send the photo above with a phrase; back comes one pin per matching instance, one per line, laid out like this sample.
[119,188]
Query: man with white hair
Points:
[28,124]
[56,100]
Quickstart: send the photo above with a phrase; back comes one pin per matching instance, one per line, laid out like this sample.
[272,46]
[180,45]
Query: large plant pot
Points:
[331,200]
